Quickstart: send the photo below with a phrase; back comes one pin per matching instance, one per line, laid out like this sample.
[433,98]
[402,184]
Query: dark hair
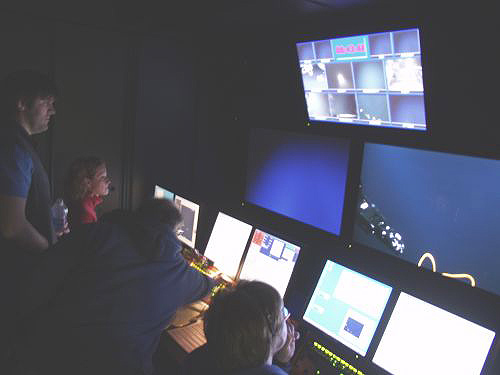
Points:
[80,169]
[161,211]
[150,227]
[240,325]
[25,85]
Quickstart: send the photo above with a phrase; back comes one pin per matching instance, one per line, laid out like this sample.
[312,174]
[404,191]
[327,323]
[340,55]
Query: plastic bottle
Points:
[59,215]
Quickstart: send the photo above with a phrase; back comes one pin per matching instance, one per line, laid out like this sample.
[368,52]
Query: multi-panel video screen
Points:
[373,79]
[301,176]
[433,209]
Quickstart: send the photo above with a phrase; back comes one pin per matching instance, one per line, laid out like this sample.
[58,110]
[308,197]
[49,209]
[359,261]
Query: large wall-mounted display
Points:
[434,209]
[374,79]
[301,176]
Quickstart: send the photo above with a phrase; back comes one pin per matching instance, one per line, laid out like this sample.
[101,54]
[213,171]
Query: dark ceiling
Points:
[171,15]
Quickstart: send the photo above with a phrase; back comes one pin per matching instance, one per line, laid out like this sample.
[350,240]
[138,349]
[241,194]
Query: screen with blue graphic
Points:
[299,176]
[374,79]
[271,260]
[161,193]
[433,209]
[347,306]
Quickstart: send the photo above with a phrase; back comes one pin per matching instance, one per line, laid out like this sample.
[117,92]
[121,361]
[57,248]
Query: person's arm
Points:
[16,168]
[16,228]
[196,285]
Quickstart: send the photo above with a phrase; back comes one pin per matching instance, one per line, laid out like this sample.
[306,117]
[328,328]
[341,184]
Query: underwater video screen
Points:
[433,209]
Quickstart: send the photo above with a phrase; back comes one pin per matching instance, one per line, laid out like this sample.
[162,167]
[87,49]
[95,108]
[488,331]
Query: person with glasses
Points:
[247,331]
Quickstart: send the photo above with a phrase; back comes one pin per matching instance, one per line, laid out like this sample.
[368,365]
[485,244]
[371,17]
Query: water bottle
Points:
[59,215]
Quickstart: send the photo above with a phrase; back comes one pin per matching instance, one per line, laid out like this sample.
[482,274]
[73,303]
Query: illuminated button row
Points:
[335,360]
[196,267]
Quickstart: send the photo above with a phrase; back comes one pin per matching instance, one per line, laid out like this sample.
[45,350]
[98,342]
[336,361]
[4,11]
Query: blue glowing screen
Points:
[300,176]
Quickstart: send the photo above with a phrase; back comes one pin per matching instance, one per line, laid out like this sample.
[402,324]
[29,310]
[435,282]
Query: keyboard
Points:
[189,337]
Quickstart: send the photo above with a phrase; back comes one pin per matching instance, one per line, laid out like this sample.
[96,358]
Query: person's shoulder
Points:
[12,143]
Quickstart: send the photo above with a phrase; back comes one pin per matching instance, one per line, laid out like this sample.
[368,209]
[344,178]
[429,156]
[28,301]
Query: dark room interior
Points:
[177,94]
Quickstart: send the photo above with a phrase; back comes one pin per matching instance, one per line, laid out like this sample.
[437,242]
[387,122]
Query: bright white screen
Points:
[189,212]
[271,260]
[424,339]
[227,243]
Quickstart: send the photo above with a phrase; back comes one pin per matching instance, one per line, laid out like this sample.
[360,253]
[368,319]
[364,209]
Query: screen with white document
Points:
[347,306]
[271,260]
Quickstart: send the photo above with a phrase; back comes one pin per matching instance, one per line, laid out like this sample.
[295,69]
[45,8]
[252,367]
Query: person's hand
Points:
[64,231]
[287,351]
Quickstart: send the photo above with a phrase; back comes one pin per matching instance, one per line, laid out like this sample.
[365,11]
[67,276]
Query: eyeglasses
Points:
[285,312]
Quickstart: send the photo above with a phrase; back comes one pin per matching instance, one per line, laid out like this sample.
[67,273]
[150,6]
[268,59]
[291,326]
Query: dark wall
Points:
[89,67]
[165,123]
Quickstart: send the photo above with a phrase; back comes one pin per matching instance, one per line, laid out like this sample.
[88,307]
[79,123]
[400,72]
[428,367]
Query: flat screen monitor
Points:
[161,193]
[190,212]
[301,176]
[371,79]
[227,243]
[432,209]
[347,306]
[270,259]
[421,338]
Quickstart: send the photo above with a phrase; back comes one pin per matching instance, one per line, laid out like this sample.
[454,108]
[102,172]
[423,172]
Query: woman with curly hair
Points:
[86,183]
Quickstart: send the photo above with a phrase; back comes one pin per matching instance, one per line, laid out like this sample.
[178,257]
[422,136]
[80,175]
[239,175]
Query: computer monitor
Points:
[161,193]
[270,259]
[347,306]
[370,79]
[189,212]
[421,338]
[227,244]
[432,209]
[298,175]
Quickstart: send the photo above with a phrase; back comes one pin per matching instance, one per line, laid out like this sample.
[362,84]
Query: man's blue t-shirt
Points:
[16,165]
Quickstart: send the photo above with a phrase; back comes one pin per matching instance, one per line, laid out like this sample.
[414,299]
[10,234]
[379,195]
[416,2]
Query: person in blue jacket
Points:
[101,297]
[248,333]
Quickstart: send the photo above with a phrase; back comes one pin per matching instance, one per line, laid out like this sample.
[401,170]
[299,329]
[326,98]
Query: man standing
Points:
[27,101]
[26,106]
